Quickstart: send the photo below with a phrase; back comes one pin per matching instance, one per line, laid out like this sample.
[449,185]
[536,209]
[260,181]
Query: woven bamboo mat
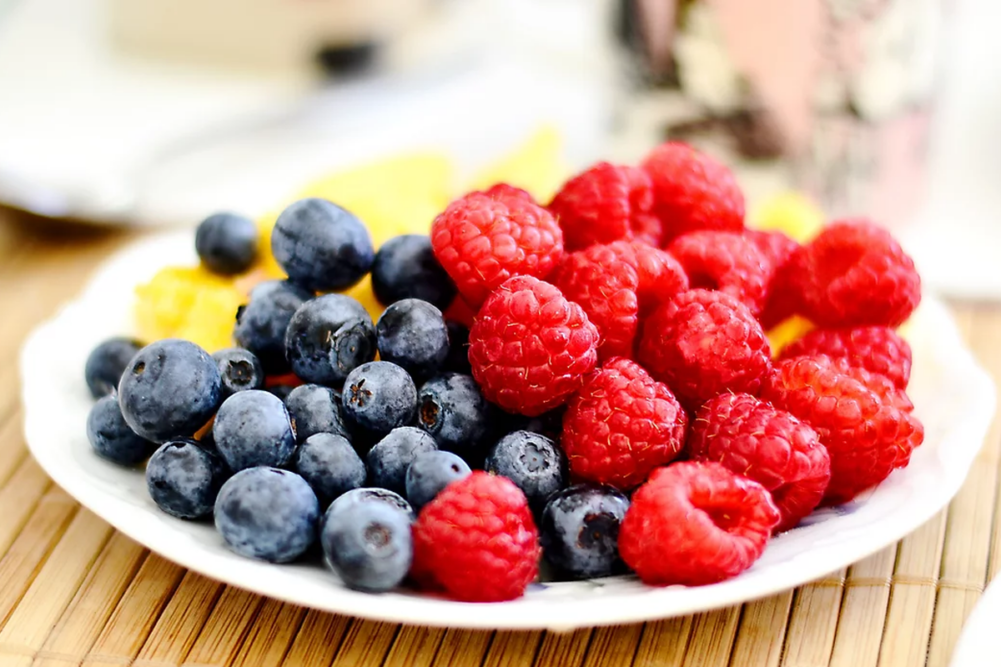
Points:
[75,592]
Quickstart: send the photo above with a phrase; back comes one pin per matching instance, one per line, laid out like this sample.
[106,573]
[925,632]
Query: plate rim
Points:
[434,611]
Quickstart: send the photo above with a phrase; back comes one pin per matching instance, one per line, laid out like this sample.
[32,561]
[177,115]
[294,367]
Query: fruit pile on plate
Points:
[586,383]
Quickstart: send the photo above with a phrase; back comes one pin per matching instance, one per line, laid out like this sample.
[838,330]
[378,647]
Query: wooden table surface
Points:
[74,591]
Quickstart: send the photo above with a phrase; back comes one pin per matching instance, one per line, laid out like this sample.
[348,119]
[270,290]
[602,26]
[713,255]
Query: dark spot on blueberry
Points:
[241,372]
[239,312]
[534,459]
[360,395]
[454,468]
[429,413]
[595,527]
[377,535]
[139,368]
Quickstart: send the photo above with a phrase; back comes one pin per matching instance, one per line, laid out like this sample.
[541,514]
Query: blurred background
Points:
[159,112]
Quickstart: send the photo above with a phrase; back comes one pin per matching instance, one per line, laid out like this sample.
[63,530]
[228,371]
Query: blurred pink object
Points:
[831,96]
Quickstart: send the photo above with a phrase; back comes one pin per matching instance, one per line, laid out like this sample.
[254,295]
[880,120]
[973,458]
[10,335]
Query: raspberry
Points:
[661,277]
[866,435]
[854,273]
[725,261]
[484,238]
[530,347]
[606,203]
[692,191]
[781,301]
[876,349]
[702,344]
[621,425]
[695,523]
[477,540]
[754,439]
[774,245]
[605,287]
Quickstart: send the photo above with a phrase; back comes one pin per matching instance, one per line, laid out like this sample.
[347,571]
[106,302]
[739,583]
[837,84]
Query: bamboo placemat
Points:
[75,592]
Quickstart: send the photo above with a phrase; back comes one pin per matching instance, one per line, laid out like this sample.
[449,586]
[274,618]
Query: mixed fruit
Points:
[586,383]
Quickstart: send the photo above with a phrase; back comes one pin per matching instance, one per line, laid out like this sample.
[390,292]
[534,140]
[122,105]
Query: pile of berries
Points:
[587,382]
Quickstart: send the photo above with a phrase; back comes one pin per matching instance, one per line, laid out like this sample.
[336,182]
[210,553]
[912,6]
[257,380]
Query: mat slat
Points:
[512,649]
[225,628]
[712,638]
[27,553]
[19,498]
[414,647]
[55,586]
[863,610]
[366,643]
[318,639]
[461,648]
[270,636]
[181,621]
[136,613]
[615,645]
[563,649]
[663,642]
[912,596]
[762,632]
[82,621]
[813,622]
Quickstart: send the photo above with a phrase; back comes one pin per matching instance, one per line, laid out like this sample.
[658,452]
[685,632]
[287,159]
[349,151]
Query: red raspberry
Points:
[876,349]
[725,261]
[781,301]
[854,273]
[621,425]
[530,348]
[865,435]
[484,238]
[692,191]
[506,190]
[880,384]
[606,288]
[661,277]
[774,245]
[604,204]
[695,523]
[702,344]
[754,439]
[477,541]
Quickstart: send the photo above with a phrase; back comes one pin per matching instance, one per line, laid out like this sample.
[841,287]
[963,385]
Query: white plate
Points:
[953,397]
[980,643]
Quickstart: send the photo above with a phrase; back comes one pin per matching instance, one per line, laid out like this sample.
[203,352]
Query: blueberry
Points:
[252,429]
[261,323]
[368,544]
[267,513]
[431,472]
[183,479]
[239,369]
[452,409]
[378,397]
[532,462]
[412,334]
[405,268]
[227,243]
[106,364]
[579,530]
[328,337]
[315,409]
[389,459]
[321,246]
[112,438]
[356,497]
[331,466]
[170,390]
[457,360]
